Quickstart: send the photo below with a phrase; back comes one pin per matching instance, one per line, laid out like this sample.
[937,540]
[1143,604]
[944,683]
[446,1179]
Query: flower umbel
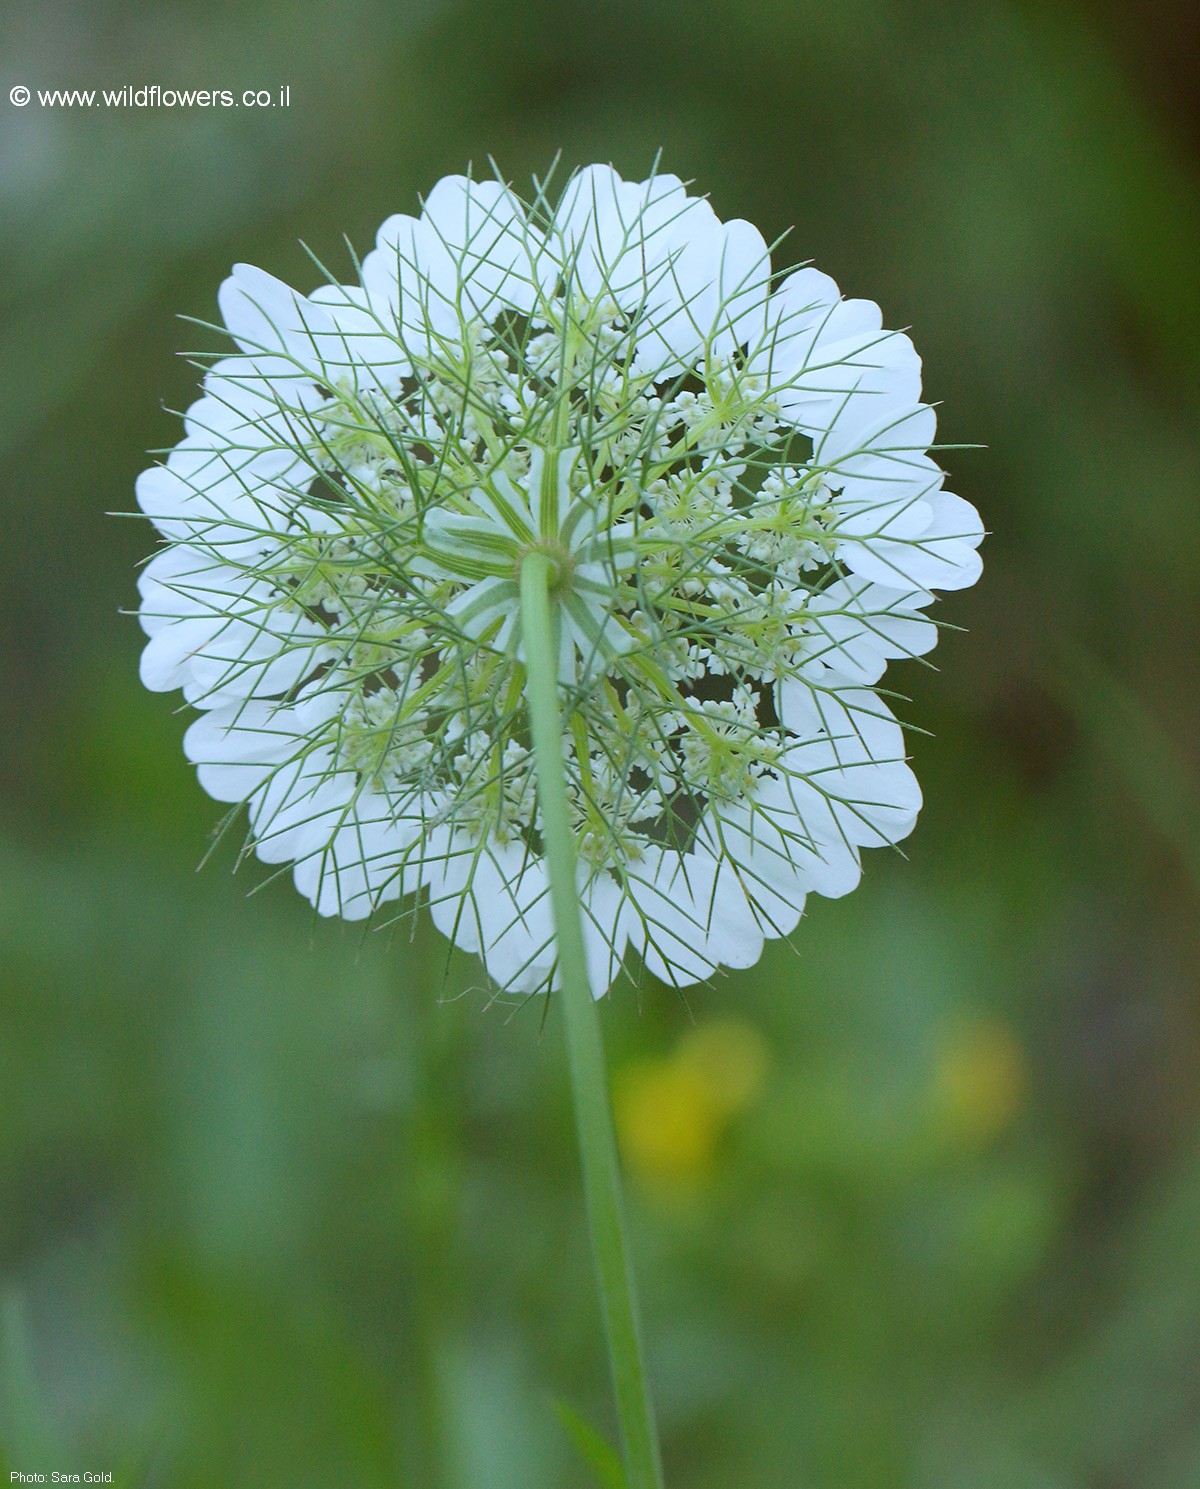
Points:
[727,475]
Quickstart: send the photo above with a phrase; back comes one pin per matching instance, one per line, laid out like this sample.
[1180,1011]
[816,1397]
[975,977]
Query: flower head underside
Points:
[728,473]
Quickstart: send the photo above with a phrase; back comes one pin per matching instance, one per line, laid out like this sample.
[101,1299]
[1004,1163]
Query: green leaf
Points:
[596,1451]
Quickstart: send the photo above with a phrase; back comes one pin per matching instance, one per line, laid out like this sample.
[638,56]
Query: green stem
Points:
[585,1048]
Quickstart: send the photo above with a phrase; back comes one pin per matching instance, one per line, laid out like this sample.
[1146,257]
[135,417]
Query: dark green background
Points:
[273,1214]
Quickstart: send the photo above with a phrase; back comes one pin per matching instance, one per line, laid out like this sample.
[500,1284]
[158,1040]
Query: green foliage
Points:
[287,1203]
[596,1451]
[27,1434]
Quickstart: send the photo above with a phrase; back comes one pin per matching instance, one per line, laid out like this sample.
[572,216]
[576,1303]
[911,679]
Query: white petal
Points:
[362,348]
[494,899]
[410,278]
[362,865]
[278,328]
[742,285]
[786,842]
[298,810]
[941,555]
[671,895]
[166,657]
[511,895]
[761,862]
[607,920]
[867,459]
[622,233]
[237,748]
[482,228]
[792,318]
[854,628]
[851,754]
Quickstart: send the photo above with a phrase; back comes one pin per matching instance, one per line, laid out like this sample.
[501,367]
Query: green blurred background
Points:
[917,1201]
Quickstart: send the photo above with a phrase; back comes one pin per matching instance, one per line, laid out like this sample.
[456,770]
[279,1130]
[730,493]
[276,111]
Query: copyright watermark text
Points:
[59,1477]
[151,96]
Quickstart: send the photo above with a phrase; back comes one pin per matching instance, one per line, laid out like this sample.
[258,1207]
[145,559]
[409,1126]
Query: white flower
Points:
[730,477]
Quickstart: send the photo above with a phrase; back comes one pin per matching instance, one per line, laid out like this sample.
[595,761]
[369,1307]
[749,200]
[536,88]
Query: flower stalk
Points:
[585,1048]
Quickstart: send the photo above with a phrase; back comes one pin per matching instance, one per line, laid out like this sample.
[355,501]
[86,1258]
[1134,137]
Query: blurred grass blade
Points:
[596,1451]
[26,1429]
[1147,758]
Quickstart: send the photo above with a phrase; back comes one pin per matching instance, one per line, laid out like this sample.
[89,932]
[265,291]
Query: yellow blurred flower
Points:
[980,1081]
[730,1056]
[671,1112]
